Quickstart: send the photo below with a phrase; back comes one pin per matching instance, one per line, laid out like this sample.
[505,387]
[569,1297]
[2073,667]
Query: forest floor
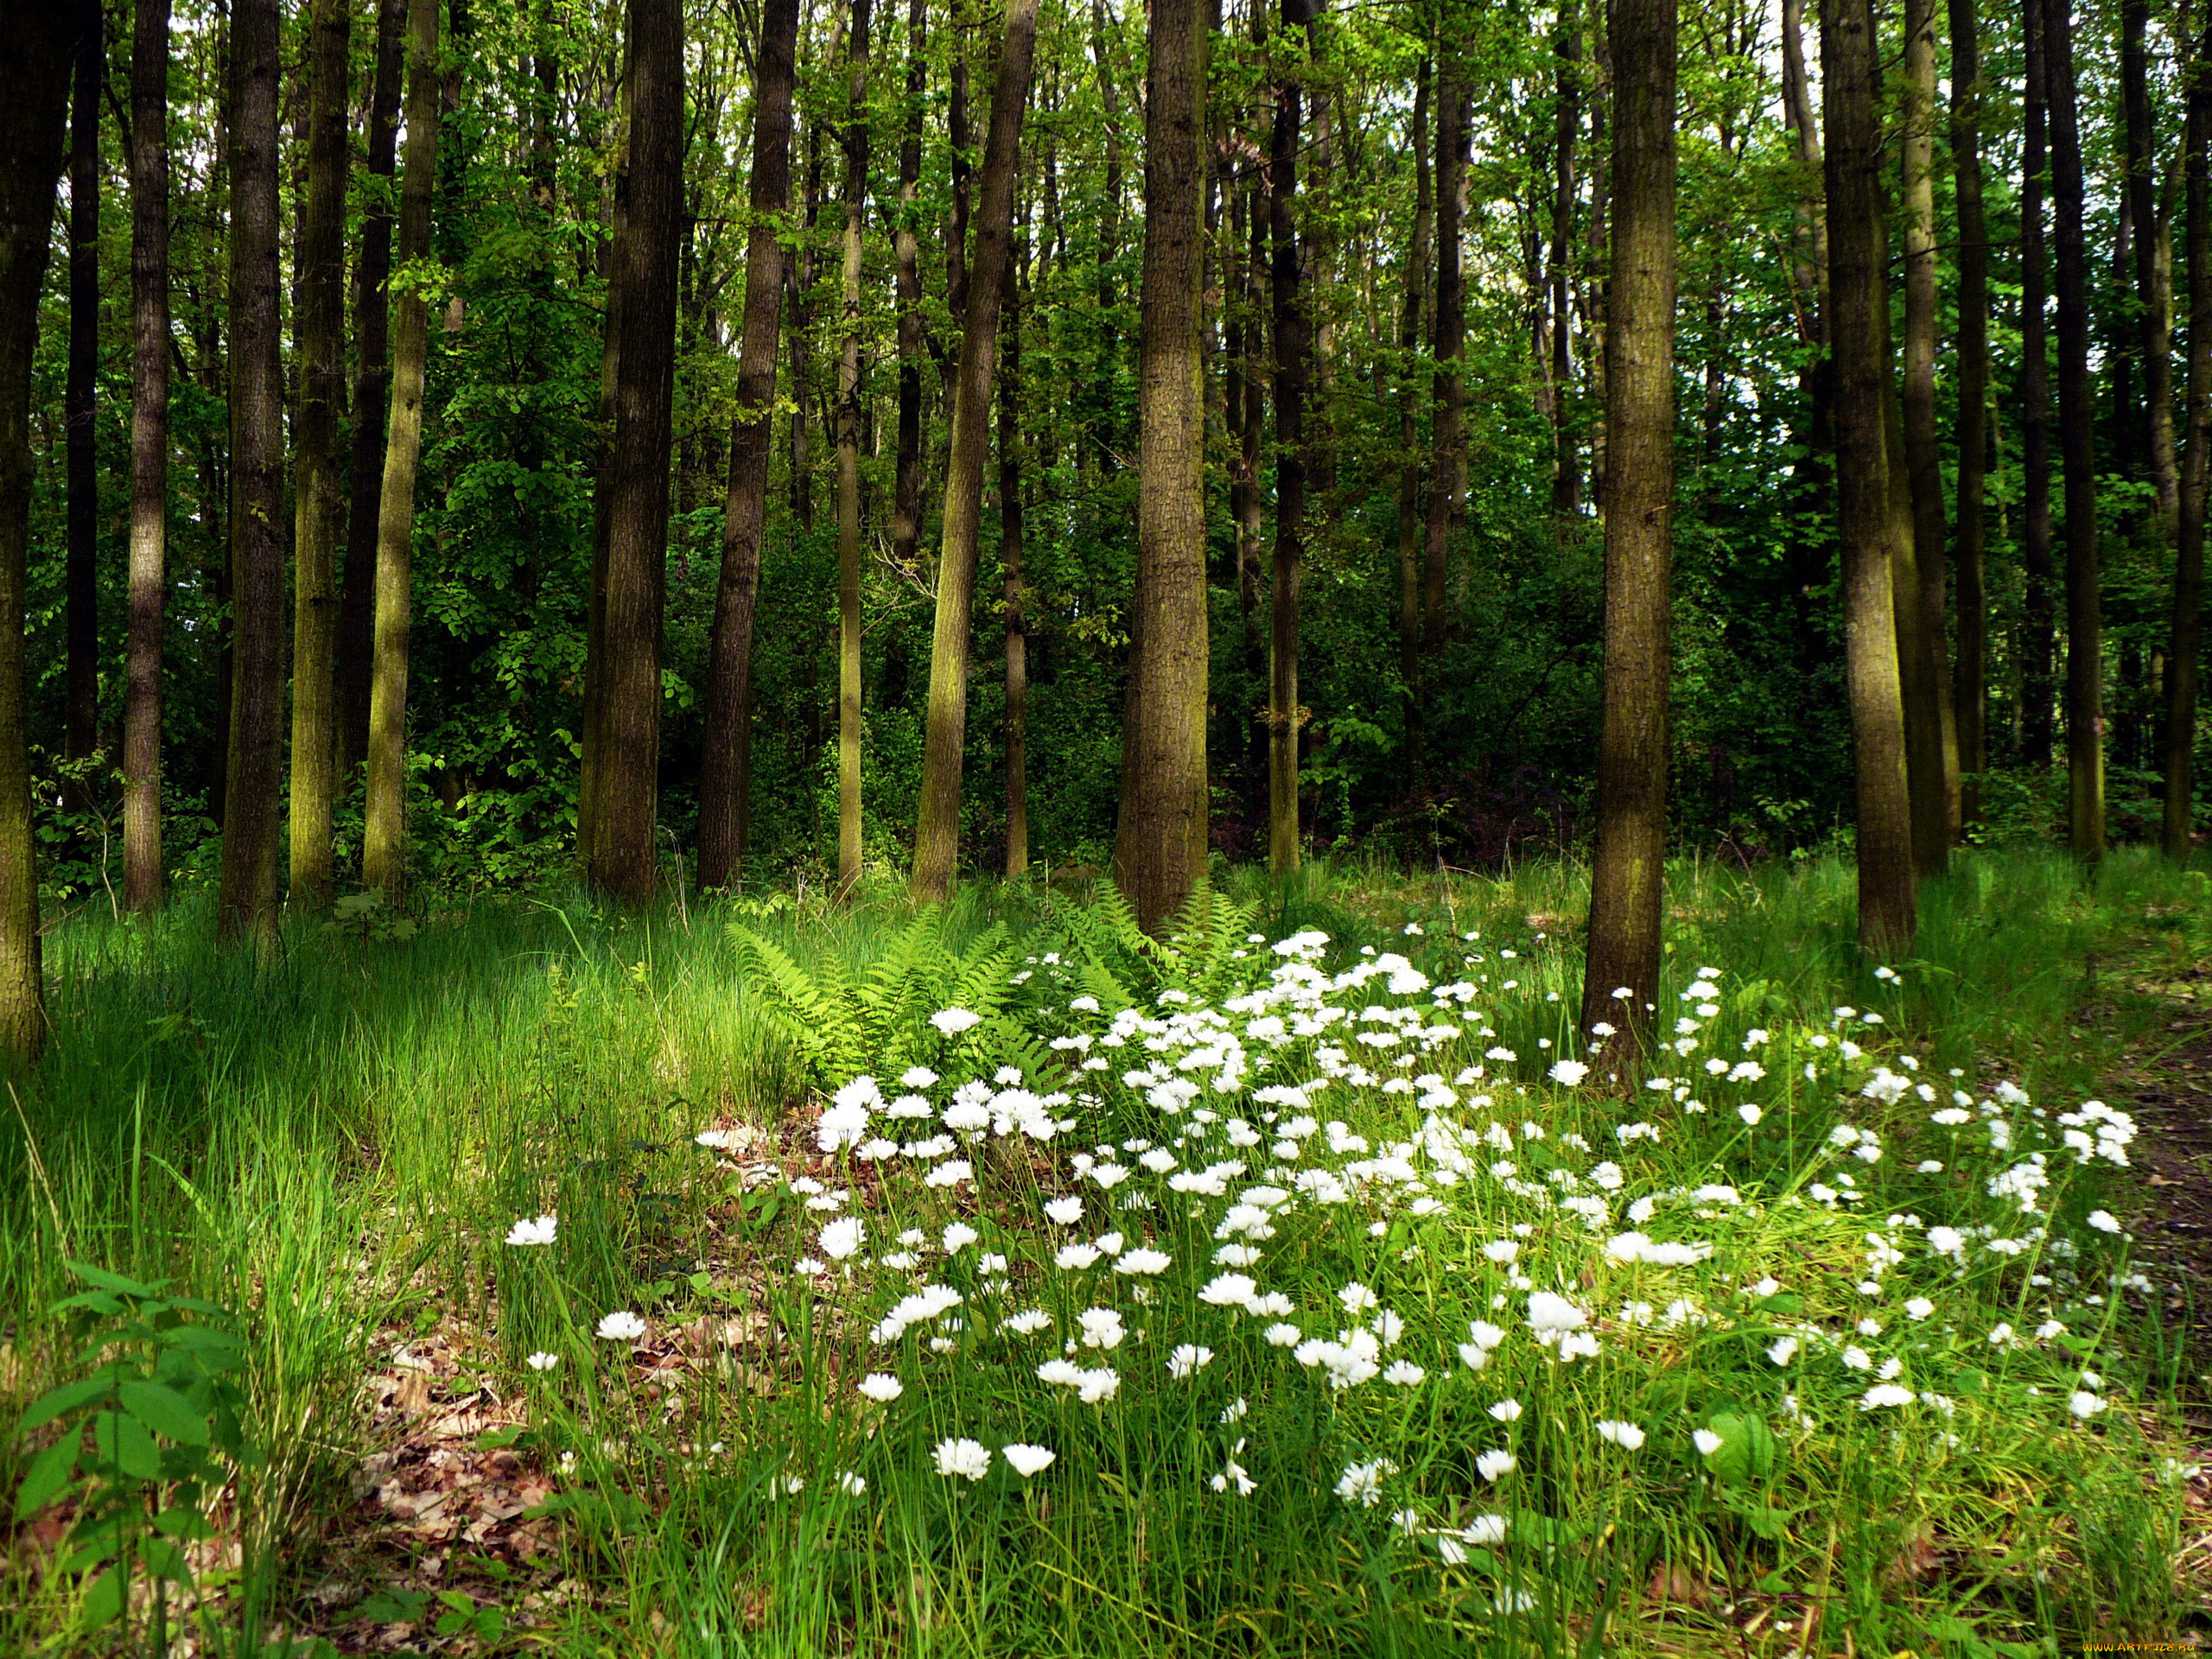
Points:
[336,1147]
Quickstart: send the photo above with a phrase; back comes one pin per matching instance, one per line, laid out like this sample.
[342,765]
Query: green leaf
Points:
[163,1410]
[164,1559]
[68,1397]
[135,1454]
[393,1606]
[115,1282]
[104,1605]
[49,1474]
[182,1521]
[491,1438]
[1747,1449]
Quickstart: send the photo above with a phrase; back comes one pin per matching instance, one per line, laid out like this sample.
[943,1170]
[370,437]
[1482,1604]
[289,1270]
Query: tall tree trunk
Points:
[2038,646]
[1010,562]
[1857,254]
[848,460]
[1252,436]
[1566,121]
[1160,845]
[2184,650]
[907,502]
[2154,301]
[150,454]
[1812,475]
[320,500]
[1294,343]
[1103,440]
[1627,873]
[1970,690]
[937,832]
[1936,803]
[2085,718]
[1450,394]
[624,857]
[384,844]
[43,39]
[1411,522]
[357,599]
[802,332]
[81,701]
[254,778]
[725,769]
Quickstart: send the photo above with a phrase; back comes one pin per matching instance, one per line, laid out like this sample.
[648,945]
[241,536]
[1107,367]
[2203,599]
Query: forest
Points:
[1078,826]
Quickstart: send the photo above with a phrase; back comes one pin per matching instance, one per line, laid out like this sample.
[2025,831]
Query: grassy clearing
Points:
[338,1147]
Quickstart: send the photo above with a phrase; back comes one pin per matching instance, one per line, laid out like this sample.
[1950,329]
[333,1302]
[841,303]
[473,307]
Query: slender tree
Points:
[357,600]
[1566,121]
[1857,254]
[43,41]
[320,497]
[1970,693]
[2038,646]
[1010,530]
[1812,474]
[2154,297]
[1936,800]
[247,907]
[937,833]
[383,846]
[725,768]
[906,504]
[81,703]
[849,455]
[1450,391]
[1160,846]
[2085,718]
[1626,874]
[1293,329]
[150,454]
[1411,520]
[2184,648]
[623,858]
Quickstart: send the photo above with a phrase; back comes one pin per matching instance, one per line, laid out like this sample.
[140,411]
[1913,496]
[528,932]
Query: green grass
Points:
[335,1145]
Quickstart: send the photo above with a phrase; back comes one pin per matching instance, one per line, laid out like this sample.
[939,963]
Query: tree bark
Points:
[725,771]
[2154,316]
[357,599]
[1160,846]
[2085,721]
[1411,521]
[1294,364]
[937,831]
[149,455]
[1010,563]
[1449,395]
[383,846]
[81,699]
[1857,255]
[1627,872]
[1935,801]
[247,909]
[623,858]
[43,40]
[1970,690]
[1812,475]
[320,500]
[2184,648]
[848,460]
[1566,473]
[2039,647]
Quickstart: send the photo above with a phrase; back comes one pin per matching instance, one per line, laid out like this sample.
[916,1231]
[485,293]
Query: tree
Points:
[1011,529]
[1160,845]
[2154,298]
[1627,873]
[624,859]
[357,599]
[2184,648]
[2085,717]
[247,907]
[1970,692]
[1293,363]
[321,499]
[1932,729]
[725,771]
[2038,646]
[1857,254]
[1411,520]
[383,846]
[848,457]
[937,833]
[43,41]
[81,724]
[149,455]
[906,505]
[1450,393]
